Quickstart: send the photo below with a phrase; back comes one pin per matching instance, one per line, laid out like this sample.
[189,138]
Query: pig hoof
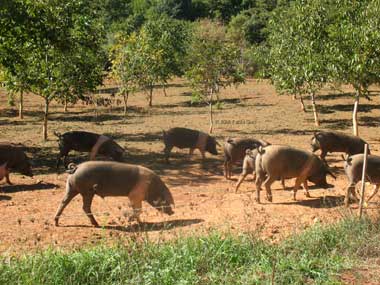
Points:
[270,198]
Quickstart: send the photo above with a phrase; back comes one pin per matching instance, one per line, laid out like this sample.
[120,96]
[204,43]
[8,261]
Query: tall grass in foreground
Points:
[316,256]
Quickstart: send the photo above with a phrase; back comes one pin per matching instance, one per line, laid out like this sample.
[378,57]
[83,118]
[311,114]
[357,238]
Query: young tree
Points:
[298,43]
[62,49]
[125,66]
[171,38]
[213,62]
[354,52]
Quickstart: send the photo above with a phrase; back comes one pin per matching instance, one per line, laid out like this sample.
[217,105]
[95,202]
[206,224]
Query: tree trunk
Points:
[45,125]
[21,106]
[125,97]
[355,113]
[164,89]
[65,105]
[302,104]
[315,111]
[211,113]
[151,96]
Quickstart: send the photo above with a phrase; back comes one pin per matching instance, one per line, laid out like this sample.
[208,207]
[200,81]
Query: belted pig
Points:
[109,178]
[336,142]
[188,138]
[13,158]
[249,167]
[353,167]
[234,152]
[87,142]
[277,161]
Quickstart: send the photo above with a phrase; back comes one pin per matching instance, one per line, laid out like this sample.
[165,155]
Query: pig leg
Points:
[227,169]
[323,155]
[259,181]
[283,183]
[350,189]
[136,206]
[70,194]
[7,178]
[268,182]
[297,185]
[374,192]
[241,179]
[191,151]
[203,154]
[307,194]
[167,152]
[87,200]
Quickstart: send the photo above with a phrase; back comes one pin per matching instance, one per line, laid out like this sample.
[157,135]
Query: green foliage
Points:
[213,61]
[152,56]
[316,257]
[355,40]
[298,40]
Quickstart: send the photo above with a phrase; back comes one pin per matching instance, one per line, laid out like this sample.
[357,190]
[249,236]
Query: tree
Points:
[298,43]
[156,54]
[169,37]
[213,62]
[59,44]
[125,66]
[354,53]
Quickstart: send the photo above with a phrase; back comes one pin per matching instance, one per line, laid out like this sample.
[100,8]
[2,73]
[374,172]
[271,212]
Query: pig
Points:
[109,178]
[234,152]
[249,167]
[87,142]
[188,138]
[16,160]
[353,167]
[278,161]
[336,142]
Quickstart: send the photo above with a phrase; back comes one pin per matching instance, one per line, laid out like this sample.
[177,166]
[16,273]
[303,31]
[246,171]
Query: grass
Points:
[313,257]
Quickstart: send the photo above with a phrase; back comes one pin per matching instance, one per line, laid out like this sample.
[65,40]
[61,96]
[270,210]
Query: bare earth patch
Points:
[204,199]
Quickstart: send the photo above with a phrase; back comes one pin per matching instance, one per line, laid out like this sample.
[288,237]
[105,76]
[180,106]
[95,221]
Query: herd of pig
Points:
[267,162]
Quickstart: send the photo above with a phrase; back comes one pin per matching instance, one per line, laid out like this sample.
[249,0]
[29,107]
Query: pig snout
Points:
[168,210]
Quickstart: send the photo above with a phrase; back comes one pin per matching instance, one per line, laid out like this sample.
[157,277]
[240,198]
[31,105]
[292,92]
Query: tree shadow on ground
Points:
[137,137]
[276,132]
[145,226]
[4,197]
[363,108]
[335,96]
[28,187]
[325,202]
[370,121]
[183,169]
[156,226]
[336,124]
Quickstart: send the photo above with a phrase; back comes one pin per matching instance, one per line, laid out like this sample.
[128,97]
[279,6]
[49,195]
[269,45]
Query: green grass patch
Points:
[313,257]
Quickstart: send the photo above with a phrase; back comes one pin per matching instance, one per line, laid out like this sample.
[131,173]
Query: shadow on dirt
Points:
[325,202]
[145,226]
[29,187]
[335,96]
[5,197]
[370,121]
[336,124]
[158,226]
[276,132]
[363,108]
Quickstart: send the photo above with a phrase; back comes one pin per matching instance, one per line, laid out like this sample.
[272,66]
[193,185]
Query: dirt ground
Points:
[204,199]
